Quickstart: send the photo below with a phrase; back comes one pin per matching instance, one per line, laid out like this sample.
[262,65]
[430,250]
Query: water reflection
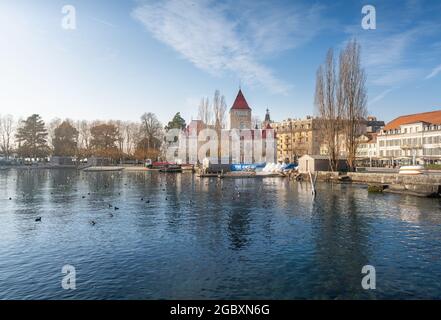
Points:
[179,236]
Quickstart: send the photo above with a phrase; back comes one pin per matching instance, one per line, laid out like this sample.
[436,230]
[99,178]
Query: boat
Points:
[157,166]
[171,168]
[412,170]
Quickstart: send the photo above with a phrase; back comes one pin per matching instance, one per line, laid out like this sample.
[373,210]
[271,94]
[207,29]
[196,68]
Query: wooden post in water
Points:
[312,183]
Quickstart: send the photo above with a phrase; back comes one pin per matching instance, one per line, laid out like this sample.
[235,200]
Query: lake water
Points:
[176,236]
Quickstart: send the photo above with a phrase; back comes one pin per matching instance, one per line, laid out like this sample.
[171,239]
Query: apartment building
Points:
[414,138]
[296,137]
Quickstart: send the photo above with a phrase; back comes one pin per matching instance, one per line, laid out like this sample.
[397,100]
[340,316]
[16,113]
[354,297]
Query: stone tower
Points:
[240,113]
[267,119]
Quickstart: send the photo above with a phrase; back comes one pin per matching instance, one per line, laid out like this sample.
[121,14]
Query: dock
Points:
[103,169]
[240,175]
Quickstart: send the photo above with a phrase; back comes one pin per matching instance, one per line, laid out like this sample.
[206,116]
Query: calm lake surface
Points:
[207,239]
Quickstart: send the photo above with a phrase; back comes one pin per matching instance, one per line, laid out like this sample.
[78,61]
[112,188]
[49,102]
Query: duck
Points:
[38,219]
[92,222]
[116,208]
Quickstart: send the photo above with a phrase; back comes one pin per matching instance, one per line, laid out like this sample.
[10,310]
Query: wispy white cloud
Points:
[434,72]
[381,96]
[387,58]
[391,56]
[104,22]
[393,75]
[232,38]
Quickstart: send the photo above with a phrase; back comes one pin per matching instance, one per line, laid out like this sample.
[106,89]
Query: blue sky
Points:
[130,57]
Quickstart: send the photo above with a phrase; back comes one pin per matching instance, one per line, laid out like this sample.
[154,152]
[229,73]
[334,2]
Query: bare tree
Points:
[204,112]
[55,123]
[255,122]
[353,97]
[85,136]
[328,107]
[219,110]
[151,129]
[120,135]
[6,134]
[130,133]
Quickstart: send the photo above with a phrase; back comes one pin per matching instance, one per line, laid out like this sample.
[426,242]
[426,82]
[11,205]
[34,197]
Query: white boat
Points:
[412,170]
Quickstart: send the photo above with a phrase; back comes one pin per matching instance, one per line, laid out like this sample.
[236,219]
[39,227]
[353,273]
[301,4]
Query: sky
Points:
[127,57]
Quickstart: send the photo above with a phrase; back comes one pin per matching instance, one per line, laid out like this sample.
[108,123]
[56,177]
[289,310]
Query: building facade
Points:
[367,150]
[373,125]
[296,137]
[410,139]
[239,144]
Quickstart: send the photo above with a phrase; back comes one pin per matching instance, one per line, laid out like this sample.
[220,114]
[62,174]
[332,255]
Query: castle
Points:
[240,113]
[241,126]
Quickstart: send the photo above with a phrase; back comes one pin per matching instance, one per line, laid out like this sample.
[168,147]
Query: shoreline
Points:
[422,185]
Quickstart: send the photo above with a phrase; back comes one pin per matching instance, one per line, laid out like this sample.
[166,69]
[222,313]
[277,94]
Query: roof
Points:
[240,103]
[267,116]
[433,117]
[268,127]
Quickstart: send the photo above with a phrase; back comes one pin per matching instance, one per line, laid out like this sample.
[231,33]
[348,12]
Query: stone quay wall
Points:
[379,178]
[427,185]
[393,178]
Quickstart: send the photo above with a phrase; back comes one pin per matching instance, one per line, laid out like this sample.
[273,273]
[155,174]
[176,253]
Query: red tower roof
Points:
[240,102]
